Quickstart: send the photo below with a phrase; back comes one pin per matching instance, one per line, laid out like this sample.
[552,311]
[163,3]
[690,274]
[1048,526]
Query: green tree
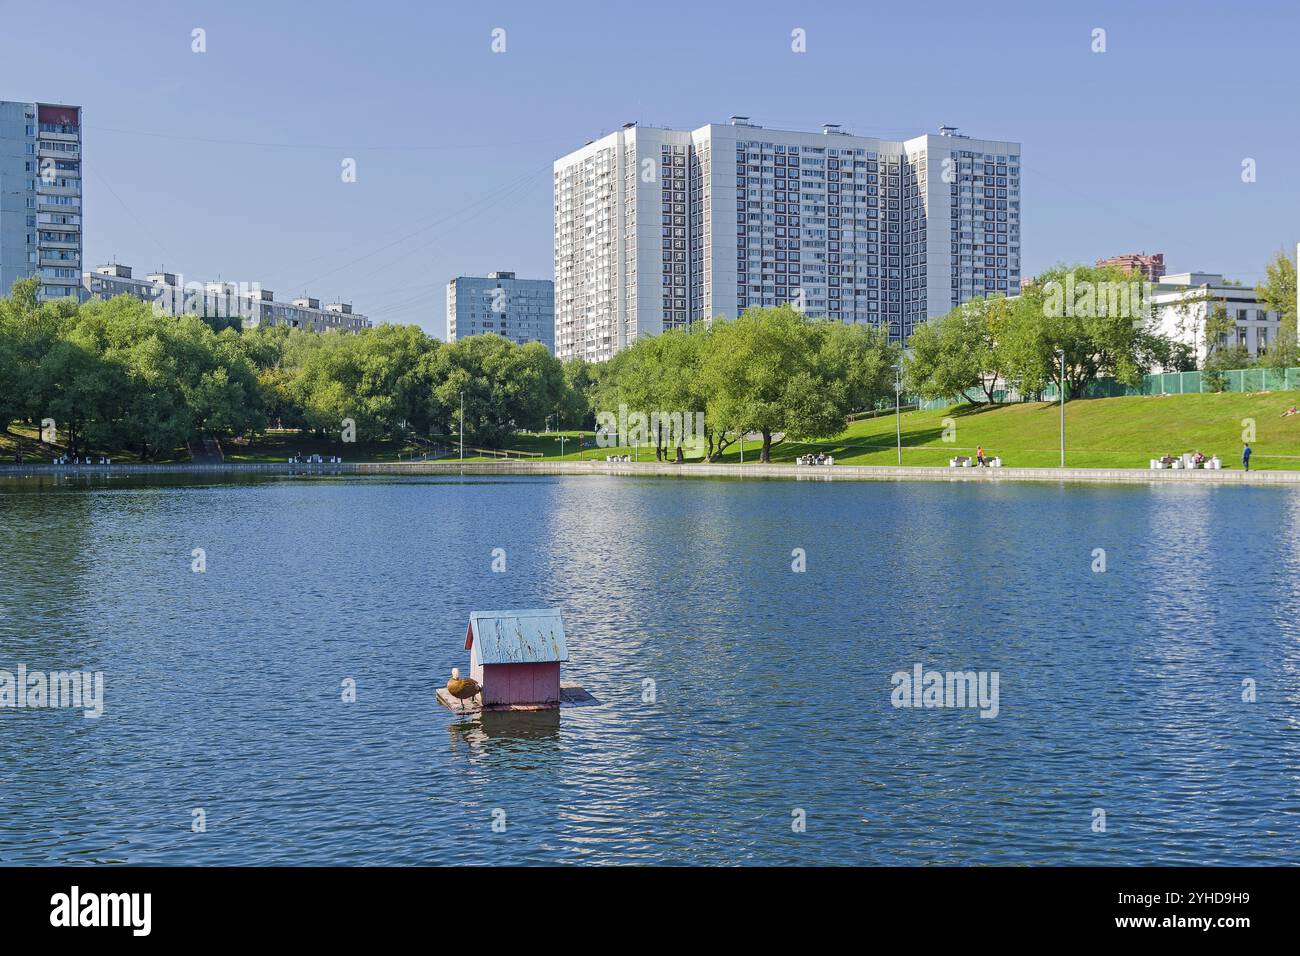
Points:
[719,433]
[394,379]
[1278,294]
[155,381]
[11,379]
[505,386]
[862,357]
[762,373]
[680,389]
[1101,319]
[225,397]
[76,387]
[1024,348]
[31,330]
[956,353]
[576,408]
[379,378]
[1222,351]
[635,378]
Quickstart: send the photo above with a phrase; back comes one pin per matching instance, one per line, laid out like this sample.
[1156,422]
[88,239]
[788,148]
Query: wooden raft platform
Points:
[571,695]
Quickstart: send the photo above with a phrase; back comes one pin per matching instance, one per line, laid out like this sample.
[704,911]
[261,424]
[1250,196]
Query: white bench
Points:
[1213,463]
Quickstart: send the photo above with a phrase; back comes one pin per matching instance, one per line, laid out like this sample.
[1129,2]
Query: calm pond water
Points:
[1120,691]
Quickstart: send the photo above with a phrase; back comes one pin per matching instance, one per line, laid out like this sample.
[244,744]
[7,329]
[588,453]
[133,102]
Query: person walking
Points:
[1245,456]
[979,455]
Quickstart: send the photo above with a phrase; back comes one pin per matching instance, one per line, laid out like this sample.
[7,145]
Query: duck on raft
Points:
[462,690]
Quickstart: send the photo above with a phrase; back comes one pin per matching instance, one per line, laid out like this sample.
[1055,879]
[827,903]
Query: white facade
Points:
[658,228]
[40,197]
[1183,301]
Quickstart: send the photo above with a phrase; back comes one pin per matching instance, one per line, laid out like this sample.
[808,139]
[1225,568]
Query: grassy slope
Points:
[1100,433]
[1110,432]
[279,446]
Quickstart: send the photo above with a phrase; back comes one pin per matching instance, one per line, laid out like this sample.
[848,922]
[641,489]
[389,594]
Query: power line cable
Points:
[319,146]
[423,229]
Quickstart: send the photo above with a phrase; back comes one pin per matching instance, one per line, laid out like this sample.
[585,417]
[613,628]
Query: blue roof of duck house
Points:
[517,637]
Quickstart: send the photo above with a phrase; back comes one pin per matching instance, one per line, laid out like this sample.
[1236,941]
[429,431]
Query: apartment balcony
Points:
[43,244]
[61,263]
[44,150]
[72,210]
[61,137]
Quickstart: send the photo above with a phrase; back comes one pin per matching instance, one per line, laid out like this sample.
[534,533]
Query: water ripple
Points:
[1120,691]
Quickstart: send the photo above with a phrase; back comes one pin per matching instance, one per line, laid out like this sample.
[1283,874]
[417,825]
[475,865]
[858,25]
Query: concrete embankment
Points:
[657,469]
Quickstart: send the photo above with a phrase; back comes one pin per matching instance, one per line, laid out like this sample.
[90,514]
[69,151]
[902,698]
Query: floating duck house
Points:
[515,656]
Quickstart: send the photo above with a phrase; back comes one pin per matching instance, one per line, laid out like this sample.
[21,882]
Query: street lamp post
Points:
[1061,354]
[462,425]
[898,409]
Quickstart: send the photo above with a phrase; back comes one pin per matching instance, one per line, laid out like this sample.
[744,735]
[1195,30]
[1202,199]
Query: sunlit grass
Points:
[1099,433]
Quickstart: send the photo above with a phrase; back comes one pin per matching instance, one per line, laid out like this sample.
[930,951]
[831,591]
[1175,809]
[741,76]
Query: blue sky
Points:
[227,163]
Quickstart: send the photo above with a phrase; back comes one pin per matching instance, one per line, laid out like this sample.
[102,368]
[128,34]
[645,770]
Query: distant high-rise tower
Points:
[522,310]
[1152,267]
[658,228]
[40,197]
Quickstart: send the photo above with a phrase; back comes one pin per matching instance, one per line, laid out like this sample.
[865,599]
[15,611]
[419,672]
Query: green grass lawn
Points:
[280,446]
[34,451]
[1099,433]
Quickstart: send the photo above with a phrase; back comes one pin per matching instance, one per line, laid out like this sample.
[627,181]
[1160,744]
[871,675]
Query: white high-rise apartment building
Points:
[40,197]
[658,228]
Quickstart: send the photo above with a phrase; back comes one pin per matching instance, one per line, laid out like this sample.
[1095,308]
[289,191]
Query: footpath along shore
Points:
[665,469]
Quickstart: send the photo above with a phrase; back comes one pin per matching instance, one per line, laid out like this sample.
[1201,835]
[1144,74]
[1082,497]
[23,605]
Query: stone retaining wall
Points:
[664,469]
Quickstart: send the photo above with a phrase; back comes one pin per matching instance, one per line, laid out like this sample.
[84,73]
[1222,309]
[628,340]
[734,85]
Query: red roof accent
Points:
[65,115]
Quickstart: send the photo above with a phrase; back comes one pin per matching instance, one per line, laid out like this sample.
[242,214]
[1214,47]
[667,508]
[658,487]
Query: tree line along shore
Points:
[117,378]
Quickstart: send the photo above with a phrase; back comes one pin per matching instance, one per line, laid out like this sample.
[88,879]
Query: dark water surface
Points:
[1120,691]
